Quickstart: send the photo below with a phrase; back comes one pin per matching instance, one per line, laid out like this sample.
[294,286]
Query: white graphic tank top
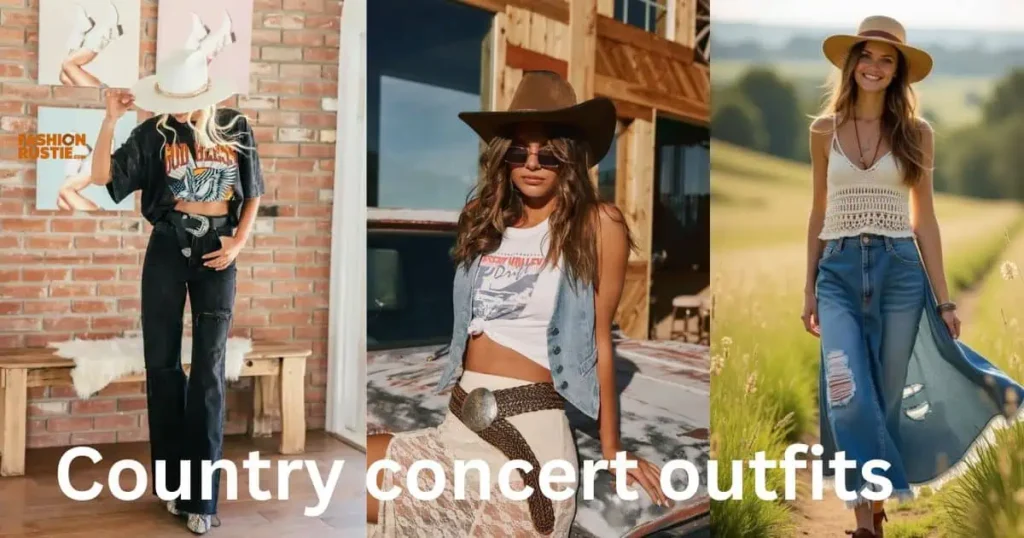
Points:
[514,293]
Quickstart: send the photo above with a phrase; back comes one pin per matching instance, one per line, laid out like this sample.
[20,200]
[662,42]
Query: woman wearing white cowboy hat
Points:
[895,384]
[201,182]
[540,267]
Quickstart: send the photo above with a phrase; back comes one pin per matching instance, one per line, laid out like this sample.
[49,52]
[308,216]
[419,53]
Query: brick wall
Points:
[65,275]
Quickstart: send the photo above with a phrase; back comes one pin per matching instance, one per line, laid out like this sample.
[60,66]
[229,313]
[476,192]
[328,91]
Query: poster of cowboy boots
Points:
[89,42]
[221,29]
[63,184]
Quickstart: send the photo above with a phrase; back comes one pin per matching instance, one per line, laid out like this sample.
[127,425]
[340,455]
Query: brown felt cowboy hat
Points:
[883,30]
[547,98]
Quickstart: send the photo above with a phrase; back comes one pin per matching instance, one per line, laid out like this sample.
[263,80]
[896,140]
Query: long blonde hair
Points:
[207,132]
[900,124]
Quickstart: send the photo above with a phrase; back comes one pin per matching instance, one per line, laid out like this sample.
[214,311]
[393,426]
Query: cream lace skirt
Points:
[547,433]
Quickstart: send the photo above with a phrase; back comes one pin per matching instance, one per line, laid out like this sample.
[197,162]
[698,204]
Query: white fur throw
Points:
[99,362]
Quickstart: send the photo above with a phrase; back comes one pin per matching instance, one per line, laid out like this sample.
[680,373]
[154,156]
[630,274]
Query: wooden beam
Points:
[606,8]
[609,28]
[582,47]
[685,23]
[686,109]
[640,185]
[553,9]
[635,197]
[626,109]
[526,59]
[499,48]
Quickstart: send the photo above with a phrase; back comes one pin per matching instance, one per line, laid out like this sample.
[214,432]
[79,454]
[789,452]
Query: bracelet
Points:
[946,307]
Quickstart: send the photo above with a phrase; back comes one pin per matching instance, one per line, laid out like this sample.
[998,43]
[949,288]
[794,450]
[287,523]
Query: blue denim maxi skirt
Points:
[894,385]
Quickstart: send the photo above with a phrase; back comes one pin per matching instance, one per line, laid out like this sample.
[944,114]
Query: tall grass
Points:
[987,500]
[752,424]
[759,209]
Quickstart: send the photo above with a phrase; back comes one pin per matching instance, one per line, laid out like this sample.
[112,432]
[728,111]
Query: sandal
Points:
[861,533]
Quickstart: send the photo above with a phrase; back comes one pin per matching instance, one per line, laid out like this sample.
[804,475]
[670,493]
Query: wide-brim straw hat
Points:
[883,30]
[545,97]
[181,84]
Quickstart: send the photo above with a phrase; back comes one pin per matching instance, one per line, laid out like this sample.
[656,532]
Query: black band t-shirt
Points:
[177,169]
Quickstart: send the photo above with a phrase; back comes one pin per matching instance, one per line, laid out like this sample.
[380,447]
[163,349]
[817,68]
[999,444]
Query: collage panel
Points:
[484,123]
[169,363]
[865,236]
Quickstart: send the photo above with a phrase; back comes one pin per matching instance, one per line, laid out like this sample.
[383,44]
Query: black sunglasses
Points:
[518,155]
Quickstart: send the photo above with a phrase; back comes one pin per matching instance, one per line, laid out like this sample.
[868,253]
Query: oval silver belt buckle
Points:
[480,409]
[204,225]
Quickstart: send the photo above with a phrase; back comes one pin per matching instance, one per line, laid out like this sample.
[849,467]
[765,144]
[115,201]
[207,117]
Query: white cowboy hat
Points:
[181,84]
[884,30]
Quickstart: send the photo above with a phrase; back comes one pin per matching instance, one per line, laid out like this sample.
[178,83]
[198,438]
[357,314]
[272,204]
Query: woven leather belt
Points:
[484,412]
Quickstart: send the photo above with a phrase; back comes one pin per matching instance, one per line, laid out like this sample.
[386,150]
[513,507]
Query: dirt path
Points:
[827,518]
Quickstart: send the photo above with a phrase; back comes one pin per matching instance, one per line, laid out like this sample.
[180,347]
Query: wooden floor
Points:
[33,505]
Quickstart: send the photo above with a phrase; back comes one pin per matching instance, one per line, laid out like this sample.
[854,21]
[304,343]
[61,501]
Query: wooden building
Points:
[651,58]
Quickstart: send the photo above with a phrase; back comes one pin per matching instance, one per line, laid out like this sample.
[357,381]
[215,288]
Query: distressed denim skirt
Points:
[894,385]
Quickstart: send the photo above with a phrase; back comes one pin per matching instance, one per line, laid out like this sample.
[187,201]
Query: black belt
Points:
[196,226]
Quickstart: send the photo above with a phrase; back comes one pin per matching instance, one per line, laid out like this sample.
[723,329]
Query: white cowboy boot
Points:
[83,23]
[102,35]
[202,523]
[198,34]
[216,41]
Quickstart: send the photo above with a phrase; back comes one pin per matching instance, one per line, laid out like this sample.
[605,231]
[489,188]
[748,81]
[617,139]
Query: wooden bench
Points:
[279,390]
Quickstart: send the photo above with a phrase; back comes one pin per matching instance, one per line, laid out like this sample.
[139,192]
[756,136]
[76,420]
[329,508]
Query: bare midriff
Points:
[210,209]
[486,356]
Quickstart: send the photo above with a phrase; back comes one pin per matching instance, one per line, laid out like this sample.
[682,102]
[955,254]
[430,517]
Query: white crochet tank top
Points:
[860,201]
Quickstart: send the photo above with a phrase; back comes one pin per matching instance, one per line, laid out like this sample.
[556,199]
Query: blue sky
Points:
[954,14]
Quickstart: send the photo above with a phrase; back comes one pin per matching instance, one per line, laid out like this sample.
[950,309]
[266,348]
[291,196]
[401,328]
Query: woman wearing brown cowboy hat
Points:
[895,385]
[540,268]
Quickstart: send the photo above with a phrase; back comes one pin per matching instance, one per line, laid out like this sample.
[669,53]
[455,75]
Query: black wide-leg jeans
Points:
[186,415]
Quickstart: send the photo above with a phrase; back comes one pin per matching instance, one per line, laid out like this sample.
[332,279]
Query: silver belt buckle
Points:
[479,409]
[204,225]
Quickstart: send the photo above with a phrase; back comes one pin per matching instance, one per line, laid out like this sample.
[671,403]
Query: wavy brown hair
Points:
[900,124]
[496,204]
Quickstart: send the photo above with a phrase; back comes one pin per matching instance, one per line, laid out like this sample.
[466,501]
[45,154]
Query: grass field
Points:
[765,365]
[954,100]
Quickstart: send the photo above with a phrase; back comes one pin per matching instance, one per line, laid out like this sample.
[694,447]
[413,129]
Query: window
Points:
[651,15]
[423,68]
[607,169]
[683,203]
[409,277]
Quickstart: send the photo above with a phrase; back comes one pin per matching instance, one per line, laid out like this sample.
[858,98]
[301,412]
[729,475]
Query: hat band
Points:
[880,33]
[202,89]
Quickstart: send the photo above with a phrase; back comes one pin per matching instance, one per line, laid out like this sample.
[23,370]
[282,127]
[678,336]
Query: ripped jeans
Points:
[870,293]
[186,414]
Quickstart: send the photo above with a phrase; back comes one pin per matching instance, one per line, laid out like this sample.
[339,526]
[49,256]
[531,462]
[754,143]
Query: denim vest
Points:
[572,348]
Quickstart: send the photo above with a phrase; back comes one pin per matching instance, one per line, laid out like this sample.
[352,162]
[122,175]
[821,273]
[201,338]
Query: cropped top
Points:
[872,201]
[514,293]
[176,169]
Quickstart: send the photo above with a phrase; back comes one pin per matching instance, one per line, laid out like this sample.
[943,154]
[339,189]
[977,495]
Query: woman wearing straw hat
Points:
[540,268]
[199,173]
[895,385]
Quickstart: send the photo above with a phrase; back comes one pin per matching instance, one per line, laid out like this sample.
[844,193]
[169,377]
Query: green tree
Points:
[737,120]
[779,104]
[1007,98]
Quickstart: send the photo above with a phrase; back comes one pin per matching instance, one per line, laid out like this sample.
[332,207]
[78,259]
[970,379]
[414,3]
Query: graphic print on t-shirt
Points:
[209,177]
[504,285]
